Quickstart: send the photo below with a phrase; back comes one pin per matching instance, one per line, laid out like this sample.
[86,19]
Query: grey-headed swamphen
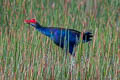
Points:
[65,38]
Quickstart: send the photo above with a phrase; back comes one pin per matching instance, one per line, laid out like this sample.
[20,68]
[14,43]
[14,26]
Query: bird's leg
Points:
[72,61]
[73,57]
[72,67]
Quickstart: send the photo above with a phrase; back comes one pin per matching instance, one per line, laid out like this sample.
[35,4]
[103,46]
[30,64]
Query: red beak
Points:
[30,21]
[27,21]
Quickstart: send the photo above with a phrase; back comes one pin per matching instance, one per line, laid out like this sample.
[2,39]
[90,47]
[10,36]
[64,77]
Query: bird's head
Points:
[32,22]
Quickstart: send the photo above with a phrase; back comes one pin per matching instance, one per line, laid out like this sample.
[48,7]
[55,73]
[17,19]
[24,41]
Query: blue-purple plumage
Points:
[64,38]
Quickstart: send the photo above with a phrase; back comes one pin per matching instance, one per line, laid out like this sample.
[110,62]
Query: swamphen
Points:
[64,38]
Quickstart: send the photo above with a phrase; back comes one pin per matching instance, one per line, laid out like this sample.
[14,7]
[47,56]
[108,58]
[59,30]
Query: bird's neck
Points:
[44,30]
[37,26]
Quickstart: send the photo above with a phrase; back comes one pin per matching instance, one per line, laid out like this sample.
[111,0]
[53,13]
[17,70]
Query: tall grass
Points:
[26,54]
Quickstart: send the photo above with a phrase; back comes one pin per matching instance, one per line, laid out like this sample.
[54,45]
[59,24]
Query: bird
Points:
[65,38]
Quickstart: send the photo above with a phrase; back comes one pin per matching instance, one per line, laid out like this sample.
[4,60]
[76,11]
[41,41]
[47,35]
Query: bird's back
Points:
[62,36]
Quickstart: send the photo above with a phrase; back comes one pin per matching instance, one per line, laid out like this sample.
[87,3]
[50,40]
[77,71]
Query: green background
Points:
[26,54]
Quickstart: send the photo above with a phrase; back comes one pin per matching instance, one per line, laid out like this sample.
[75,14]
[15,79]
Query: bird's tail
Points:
[87,36]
